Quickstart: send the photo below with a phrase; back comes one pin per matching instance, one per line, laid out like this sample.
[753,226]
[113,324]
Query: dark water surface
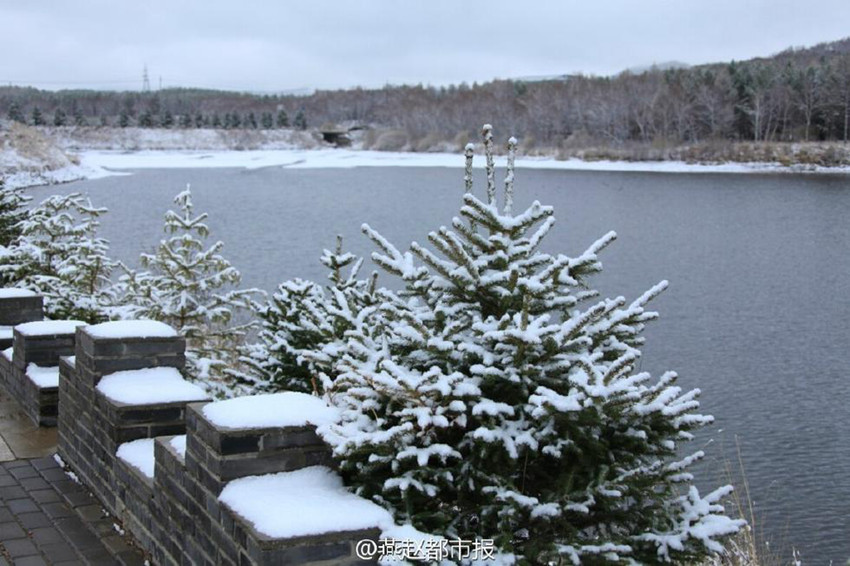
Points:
[757,314]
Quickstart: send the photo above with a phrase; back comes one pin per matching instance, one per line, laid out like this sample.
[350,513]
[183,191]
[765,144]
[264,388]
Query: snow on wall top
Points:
[272,410]
[179,445]
[8,352]
[12,293]
[43,376]
[131,329]
[139,454]
[149,386]
[6,332]
[49,327]
[305,502]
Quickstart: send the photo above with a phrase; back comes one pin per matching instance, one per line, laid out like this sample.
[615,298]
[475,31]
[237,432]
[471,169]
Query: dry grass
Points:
[823,154]
[749,547]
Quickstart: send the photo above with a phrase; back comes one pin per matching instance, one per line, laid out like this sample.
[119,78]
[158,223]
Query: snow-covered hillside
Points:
[27,157]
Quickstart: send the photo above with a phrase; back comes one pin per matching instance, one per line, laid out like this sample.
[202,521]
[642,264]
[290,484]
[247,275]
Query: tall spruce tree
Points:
[498,397]
[282,120]
[37,116]
[15,113]
[79,117]
[59,118]
[58,254]
[191,287]
[300,121]
[267,121]
[167,119]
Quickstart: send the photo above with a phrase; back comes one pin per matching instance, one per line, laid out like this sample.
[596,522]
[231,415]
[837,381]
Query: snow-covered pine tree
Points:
[282,120]
[192,288]
[37,117]
[304,326]
[497,397]
[12,212]
[58,254]
[300,121]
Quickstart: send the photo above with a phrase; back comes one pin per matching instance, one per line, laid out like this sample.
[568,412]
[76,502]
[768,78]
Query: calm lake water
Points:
[757,314]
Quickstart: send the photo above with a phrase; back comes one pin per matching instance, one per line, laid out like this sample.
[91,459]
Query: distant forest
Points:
[800,94]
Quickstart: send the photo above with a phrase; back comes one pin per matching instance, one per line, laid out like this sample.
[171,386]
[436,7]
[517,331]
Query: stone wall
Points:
[29,375]
[174,513]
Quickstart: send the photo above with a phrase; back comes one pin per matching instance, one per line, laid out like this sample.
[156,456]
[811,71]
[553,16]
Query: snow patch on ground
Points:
[305,502]
[49,327]
[139,454]
[272,410]
[43,376]
[131,329]
[149,386]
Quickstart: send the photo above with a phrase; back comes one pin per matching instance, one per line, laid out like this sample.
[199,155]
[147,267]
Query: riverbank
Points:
[42,156]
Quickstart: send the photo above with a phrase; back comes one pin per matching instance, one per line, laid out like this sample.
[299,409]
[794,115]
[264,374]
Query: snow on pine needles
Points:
[497,395]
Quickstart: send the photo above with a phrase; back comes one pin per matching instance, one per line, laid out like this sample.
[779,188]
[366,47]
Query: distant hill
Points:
[801,93]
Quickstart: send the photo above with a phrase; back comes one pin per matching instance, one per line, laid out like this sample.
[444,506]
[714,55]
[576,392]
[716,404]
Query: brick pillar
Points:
[41,343]
[216,455]
[89,437]
[16,307]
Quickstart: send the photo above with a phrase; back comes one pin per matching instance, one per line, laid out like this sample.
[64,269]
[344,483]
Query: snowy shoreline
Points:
[94,164]
[348,158]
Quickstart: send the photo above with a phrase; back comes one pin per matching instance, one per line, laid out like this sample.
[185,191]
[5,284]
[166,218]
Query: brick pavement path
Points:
[46,518]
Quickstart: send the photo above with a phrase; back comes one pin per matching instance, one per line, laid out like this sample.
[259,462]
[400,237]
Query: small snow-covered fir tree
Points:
[304,324]
[58,254]
[498,397]
[12,212]
[191,287]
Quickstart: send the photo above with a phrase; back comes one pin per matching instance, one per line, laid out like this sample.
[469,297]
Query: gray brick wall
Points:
[17,310]
[41,404]
[176,516]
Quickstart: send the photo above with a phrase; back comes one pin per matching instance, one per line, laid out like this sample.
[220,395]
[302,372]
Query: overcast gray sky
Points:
[276,45]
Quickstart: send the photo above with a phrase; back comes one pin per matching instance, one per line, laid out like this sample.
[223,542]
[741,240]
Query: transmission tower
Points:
[146,83]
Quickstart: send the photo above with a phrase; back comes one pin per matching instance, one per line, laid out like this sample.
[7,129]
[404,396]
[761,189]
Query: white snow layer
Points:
[149,386]
[13,293]
[49,327]
[272,410]
[139,454]
[131,329]
[43,376]
[305,502]
[8,352]
[179,445]
[6,332]
[341,158]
